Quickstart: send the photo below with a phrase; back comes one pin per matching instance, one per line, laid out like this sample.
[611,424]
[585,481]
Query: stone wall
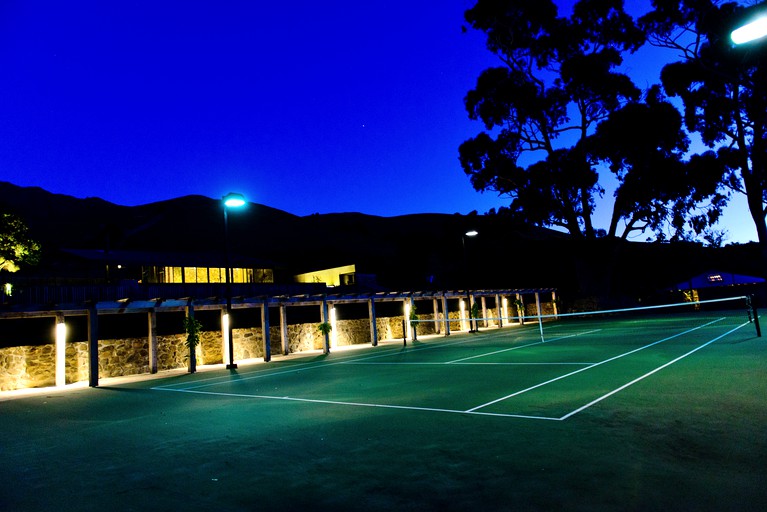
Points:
[35,366]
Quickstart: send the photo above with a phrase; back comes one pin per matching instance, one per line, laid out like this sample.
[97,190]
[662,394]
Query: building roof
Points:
[716,279]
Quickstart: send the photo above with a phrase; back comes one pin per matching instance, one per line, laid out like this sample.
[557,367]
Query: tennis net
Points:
[635,321]
[649,320]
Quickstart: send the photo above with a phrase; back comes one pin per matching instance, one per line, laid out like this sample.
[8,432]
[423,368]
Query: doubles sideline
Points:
[196,389]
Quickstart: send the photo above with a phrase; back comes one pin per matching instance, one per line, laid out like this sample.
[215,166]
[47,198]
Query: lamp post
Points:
[471,233]
[231,200]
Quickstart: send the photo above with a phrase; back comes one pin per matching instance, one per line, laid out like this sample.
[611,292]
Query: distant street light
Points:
[752,31]
[230,200]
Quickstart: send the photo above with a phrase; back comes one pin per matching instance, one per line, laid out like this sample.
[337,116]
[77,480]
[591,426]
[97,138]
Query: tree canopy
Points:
[558,110]
[16,247]
[722,87]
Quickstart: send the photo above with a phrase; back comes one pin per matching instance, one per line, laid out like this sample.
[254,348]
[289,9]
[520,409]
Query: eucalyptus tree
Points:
[722,87]
[557,81]
[542,108]
[659,190]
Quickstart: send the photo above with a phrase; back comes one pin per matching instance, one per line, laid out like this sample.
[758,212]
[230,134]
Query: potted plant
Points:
[192,326]
[520,309]
[414,322]
[325,329]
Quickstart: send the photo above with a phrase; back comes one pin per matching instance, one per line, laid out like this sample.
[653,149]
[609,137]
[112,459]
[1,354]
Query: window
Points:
[210,275]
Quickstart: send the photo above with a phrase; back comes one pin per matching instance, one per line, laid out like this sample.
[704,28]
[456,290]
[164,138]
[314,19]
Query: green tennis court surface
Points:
[514,373]
[643,412]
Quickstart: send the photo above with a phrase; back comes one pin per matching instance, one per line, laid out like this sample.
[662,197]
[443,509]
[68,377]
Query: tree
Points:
[557,83]
[722,90]
[16,247]
[644,145]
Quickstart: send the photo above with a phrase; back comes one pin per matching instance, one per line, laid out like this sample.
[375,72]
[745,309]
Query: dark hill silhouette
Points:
[405,252]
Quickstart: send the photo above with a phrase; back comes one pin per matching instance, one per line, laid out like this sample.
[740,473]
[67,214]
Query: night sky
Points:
[305,106]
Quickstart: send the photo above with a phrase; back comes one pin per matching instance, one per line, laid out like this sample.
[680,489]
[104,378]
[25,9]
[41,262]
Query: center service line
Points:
[576,411]
[592,366]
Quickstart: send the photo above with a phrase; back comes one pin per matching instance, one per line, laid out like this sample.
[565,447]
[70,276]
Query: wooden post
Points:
[462,310]
[152,321]
[435,307]
[61,350]
[93,346]
[499,309]
[373,322]
[284,329]
[333,324]
[189,312]
[265,331]
[225,333]
[446,315]
[538,304]
[554,303]
[325,320]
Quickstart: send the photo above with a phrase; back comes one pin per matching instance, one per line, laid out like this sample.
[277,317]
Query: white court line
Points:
[521,346]
[359,404]
[590,367]
[466,364]
[583,408]
[473,411]
[260,374]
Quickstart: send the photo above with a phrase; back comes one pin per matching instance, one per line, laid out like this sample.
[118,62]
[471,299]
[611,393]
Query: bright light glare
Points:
[225,332]
[234,200]
[750,32]
[462,315]
[472,233]
[333,330]
[61,353]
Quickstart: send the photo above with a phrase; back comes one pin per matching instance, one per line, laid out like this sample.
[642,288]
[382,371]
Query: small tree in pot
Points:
[192,326]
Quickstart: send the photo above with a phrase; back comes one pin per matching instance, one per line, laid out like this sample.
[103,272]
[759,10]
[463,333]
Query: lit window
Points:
[715,278]
[190,274]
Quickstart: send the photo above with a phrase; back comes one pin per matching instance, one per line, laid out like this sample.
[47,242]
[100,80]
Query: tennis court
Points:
[643,410]
[536,371]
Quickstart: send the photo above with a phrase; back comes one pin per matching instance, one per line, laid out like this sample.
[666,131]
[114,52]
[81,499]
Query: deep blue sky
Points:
[304,106]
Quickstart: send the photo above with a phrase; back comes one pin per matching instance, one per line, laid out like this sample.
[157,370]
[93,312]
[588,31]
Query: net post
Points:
[540,314]
[752,311]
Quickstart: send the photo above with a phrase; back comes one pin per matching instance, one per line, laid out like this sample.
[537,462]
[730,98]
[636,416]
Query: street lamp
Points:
[752,31]
[470,234]
[231,200]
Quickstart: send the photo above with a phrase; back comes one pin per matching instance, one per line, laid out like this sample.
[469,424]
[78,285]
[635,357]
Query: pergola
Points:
[327,302]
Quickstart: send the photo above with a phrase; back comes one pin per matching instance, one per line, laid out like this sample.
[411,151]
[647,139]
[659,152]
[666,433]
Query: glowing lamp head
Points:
[233,200]
[473,232]
[757,29]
